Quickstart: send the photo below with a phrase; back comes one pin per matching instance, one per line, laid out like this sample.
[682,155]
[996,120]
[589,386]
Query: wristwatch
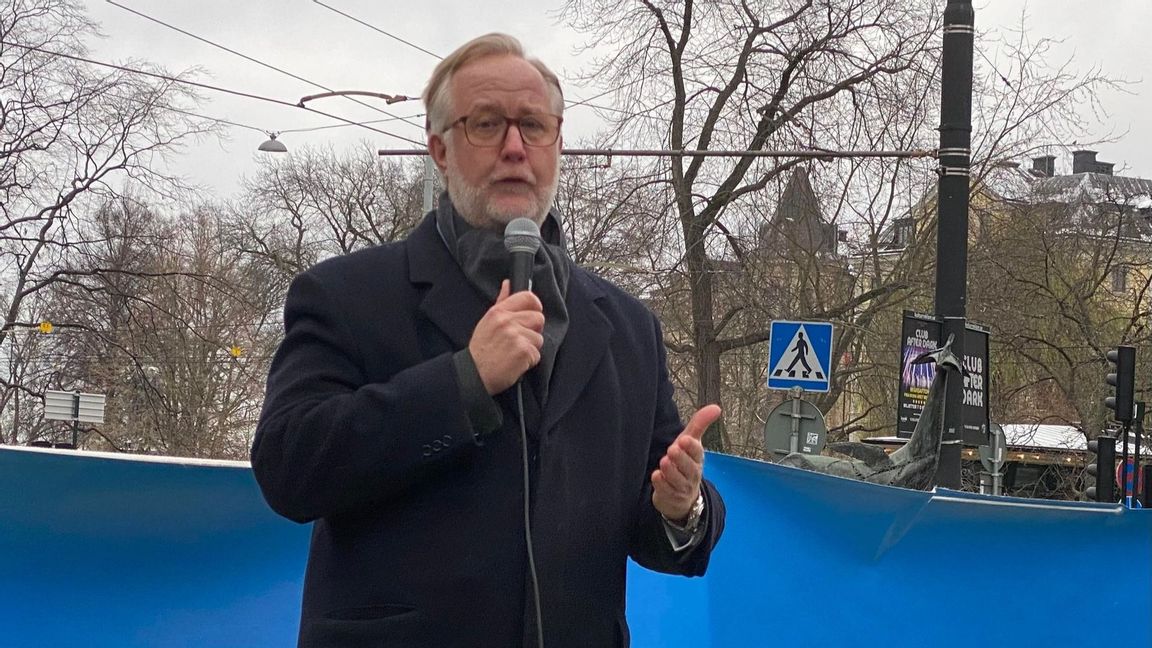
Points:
[694,515]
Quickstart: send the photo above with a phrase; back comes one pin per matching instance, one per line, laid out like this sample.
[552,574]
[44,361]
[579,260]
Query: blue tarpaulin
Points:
[116,551]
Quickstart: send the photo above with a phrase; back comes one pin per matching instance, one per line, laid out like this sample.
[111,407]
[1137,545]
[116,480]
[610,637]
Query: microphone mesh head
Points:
[522,235]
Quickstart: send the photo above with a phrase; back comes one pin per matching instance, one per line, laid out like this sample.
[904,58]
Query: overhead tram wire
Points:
[182,111]
[264,130]
[309,129]
[814,154]
[257,61]
[285,130]
[375,28]
[206,117]
[370,121]
[569,102]
[205,86]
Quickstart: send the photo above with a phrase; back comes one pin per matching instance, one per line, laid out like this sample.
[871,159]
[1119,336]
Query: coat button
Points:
[437,446]
[447,440]
[427,450]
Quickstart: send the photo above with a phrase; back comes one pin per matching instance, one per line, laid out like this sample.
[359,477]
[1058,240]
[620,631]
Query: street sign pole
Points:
[76,407]
[796,393]
[1147,494]
[992,459]
[75,419]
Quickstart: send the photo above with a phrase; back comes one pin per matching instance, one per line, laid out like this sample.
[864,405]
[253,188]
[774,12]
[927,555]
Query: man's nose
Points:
[513,146]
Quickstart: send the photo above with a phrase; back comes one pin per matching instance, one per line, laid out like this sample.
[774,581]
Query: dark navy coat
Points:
[418,537]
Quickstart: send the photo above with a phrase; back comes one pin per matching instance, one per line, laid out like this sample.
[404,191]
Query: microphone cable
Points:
[528,517]
[522,241]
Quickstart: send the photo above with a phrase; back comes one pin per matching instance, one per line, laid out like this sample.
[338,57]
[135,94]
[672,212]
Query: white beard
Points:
[471,206]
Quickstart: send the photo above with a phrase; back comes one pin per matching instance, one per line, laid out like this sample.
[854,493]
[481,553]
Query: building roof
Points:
[1041,436]
[1135,193]
[799,219]
[1047,437]
[1084,193]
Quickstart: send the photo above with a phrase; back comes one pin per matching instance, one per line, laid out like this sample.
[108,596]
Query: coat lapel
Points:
[589,332]
[451,303]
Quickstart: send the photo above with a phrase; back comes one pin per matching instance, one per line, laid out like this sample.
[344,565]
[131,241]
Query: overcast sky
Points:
[320,45]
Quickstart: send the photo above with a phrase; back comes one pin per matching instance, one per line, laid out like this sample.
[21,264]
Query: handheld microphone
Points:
[521,239]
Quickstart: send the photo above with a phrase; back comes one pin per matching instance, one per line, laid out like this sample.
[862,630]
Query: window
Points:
[902,232]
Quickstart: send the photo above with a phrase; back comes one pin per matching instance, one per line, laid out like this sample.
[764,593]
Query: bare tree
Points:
[69,134]
[1062,284]
[318,203]
[176,327]
[778,74]
[807,74]
[614,214]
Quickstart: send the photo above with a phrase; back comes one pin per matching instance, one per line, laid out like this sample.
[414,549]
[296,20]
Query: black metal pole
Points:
[75,418]
[952,220]
[1125,430]
[1138,426]
[1147,496]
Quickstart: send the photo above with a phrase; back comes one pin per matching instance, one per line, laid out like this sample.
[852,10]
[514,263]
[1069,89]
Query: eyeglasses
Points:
[489,128]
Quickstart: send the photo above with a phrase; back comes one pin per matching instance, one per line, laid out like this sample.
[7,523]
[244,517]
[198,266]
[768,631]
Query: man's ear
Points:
[439,152]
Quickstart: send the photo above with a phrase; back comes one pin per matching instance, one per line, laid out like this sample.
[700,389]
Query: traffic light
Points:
[1104,470]
[1124,380]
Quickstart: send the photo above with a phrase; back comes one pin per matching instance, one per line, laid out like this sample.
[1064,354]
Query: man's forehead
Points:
[496,81]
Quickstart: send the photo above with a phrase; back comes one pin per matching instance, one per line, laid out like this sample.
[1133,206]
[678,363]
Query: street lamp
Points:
[273,145]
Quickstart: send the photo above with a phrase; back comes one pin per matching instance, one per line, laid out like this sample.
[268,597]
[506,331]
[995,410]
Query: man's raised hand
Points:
[676,482]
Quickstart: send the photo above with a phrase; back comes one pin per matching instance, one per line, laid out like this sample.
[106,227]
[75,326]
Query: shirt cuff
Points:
[680,538]
[483,413]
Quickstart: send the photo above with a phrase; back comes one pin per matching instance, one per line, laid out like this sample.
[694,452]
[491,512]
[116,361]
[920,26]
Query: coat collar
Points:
[454,306]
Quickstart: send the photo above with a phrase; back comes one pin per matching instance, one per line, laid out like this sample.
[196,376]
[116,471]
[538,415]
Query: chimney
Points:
[1083,161]
[1104,168]
[1044,166]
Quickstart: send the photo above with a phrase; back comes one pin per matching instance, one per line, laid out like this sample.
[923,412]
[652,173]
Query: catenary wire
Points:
[377,29]
[256,61]
[570,103]
[205,86]
[256,128]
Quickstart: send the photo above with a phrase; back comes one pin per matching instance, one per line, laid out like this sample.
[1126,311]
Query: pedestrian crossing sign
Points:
[800,355]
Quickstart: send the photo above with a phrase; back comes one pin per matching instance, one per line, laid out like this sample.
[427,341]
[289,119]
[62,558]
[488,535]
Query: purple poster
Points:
[921,333]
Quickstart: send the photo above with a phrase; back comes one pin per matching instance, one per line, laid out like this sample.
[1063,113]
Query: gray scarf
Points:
[481,256]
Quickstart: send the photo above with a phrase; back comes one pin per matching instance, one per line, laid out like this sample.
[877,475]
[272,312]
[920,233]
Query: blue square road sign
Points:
[800,355]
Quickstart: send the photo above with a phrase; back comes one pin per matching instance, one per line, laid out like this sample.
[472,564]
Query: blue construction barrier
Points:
[97,551]
[813,560]
[103,550]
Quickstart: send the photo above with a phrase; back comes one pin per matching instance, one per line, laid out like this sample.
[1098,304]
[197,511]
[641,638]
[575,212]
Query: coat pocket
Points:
[370,612]
[388,625]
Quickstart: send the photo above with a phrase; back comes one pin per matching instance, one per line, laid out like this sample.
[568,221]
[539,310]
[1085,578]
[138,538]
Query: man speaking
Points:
[479,461]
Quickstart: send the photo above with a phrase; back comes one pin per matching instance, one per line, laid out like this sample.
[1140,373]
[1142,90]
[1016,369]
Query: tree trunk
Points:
[706,352]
